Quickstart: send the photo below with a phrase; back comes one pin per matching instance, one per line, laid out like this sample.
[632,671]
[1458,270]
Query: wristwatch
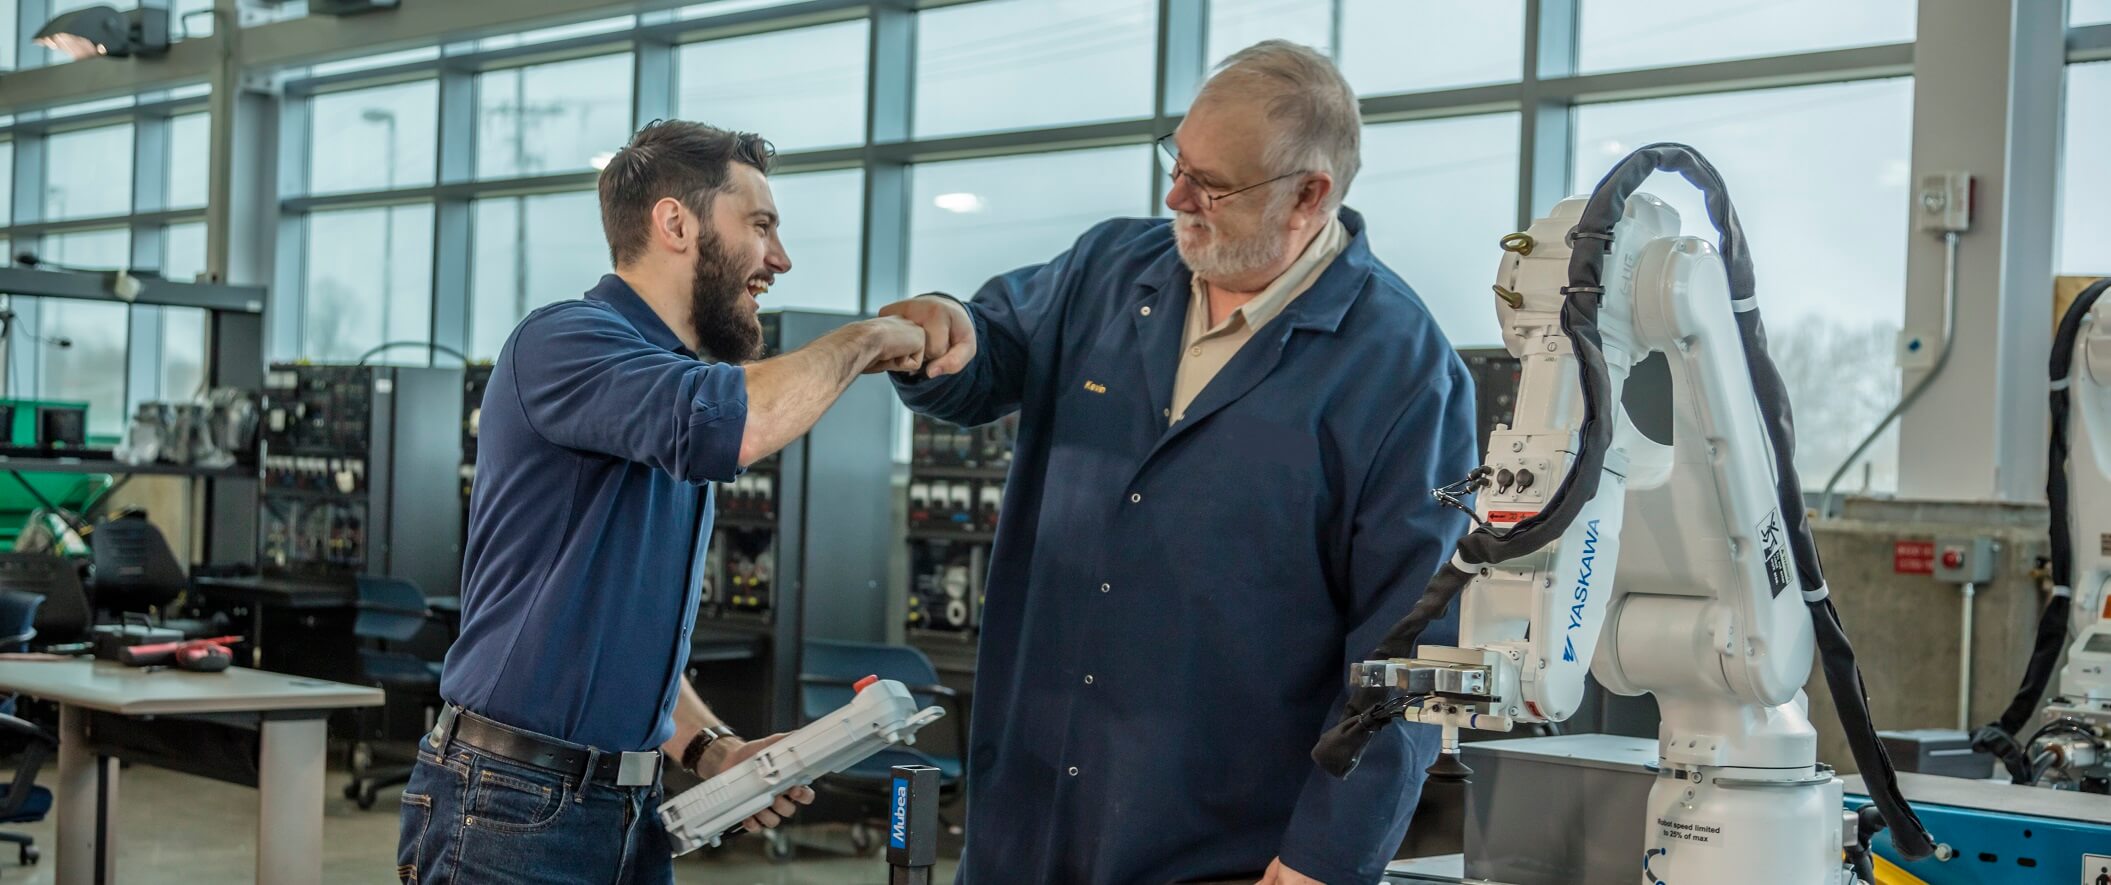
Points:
[694,753]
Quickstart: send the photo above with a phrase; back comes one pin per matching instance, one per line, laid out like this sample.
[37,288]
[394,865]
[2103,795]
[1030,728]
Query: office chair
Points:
[64,617]
[391,610]
[830,670]
[18,618]
[22,801]
[135,571]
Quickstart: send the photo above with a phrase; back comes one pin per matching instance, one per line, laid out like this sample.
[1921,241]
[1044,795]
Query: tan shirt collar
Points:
[1277,295]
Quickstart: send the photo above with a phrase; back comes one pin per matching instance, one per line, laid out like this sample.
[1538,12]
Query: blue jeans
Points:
[475,819]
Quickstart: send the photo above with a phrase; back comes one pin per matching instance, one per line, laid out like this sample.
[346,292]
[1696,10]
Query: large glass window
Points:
[183,251]
[83,359]
[373,139]
[370,62]
[1437,196]
[551,118]
[742,83]
[2085,180]
[970,220]
[7,182]
[190,145]
[1015,64]
[88,172]
[1831,282]
[1621,34]
[823,217]
[2089,12]
[102,248]
[1387,46]
[368,282]
[7,35]
[528,252]
[182,353]
[561,32]
[189,19]
[1237,24]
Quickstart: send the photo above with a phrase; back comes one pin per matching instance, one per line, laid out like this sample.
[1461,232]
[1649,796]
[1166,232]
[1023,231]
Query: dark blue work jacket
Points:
[1171,611]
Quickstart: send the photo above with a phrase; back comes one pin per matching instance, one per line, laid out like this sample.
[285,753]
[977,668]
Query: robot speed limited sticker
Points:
[1689,834]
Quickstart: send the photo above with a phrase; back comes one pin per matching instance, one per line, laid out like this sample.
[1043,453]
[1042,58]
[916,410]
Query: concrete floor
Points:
[179,828]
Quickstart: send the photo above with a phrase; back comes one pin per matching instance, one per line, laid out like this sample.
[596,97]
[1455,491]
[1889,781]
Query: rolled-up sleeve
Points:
[588,381]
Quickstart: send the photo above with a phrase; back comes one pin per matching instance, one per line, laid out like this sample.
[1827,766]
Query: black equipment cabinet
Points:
[361,470]
[798,548]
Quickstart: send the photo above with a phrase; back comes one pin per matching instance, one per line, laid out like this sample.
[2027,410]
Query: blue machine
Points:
[2001,834]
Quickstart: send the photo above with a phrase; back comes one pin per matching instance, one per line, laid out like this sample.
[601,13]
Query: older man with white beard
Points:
[1229,427]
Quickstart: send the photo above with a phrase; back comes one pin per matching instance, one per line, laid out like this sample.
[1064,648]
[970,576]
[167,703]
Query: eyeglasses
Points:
[1170,151]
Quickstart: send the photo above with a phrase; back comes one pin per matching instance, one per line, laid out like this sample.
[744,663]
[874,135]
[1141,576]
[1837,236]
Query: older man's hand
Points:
[1278,874]
[949,335]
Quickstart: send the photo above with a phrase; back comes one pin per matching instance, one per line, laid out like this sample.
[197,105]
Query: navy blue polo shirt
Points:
[589,521]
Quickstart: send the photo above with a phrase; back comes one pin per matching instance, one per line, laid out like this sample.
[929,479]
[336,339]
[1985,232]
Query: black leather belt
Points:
[585,764]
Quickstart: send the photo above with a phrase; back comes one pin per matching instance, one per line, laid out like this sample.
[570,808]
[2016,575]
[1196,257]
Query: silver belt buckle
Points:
[638,768]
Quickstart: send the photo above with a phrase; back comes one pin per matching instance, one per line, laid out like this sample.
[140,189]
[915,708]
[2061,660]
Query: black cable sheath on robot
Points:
[1998,737]
[1836,656]
[1368,710]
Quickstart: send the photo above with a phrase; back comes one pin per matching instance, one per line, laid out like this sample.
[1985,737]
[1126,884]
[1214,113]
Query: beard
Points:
[725,325]
[1231,254]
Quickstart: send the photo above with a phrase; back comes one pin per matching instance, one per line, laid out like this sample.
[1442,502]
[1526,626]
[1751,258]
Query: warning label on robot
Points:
[1773,548]
[1697,834]
[2096,869]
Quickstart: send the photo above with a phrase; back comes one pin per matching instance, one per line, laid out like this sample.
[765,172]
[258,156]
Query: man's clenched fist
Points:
[949,335]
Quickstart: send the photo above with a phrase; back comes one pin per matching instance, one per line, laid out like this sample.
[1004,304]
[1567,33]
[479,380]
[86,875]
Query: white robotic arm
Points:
[1668,569]
[2070,747]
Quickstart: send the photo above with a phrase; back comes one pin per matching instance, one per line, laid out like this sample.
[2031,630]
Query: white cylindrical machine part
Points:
[1707,832]
[1964,660]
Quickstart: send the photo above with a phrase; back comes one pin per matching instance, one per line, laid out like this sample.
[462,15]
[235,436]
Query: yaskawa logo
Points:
[1583,591]
[898,825]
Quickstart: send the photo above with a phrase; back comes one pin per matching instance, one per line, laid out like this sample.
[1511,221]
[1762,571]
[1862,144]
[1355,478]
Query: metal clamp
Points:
[1422,678]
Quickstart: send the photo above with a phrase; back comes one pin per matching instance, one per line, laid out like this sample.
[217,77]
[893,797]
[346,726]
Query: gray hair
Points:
[1318,127]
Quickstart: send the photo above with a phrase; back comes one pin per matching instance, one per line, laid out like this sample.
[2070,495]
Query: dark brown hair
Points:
[690,162]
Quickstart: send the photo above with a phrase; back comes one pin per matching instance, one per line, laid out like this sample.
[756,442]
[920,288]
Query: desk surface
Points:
[131,691]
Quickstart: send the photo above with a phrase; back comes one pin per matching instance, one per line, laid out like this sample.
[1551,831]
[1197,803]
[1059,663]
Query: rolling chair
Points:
[64,616]
[391,610]
[22,801]
[860,794]
[135,571]
[18,618]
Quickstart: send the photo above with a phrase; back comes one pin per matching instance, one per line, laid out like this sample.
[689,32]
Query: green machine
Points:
[44,426]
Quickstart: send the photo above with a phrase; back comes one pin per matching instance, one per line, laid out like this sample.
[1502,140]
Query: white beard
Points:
[1226,257]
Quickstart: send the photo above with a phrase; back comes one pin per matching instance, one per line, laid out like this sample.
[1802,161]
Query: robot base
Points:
[1708,825]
